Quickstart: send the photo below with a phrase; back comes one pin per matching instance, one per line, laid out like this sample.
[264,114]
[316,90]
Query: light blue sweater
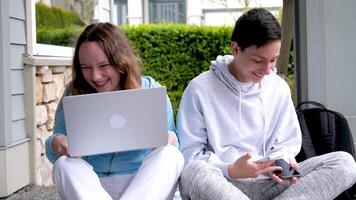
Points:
[112,163]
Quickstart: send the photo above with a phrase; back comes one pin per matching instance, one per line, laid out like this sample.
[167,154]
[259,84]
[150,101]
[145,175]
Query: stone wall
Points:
[50,84]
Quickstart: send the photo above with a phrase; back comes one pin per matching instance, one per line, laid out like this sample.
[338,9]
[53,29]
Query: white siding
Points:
[5,91]
[17,9]
[18,129]
[16,52]
[17,82]
[17,29]
[14,156]
[17,107]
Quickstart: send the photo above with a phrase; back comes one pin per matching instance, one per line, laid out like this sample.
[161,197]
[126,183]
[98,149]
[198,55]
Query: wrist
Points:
[56,139]
[231,171]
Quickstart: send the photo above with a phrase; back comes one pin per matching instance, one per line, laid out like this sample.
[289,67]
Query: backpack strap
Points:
[307,149]
[316,104]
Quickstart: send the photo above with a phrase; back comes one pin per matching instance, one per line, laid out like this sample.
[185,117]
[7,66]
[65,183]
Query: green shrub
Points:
[57,18]
[61,37]
[172,54]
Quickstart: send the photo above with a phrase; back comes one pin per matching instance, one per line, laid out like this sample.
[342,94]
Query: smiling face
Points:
[252,64]
[96,68]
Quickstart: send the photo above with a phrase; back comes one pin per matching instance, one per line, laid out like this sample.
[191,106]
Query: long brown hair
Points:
[119,52]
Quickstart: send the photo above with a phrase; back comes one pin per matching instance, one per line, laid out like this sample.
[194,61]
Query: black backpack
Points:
[324,131]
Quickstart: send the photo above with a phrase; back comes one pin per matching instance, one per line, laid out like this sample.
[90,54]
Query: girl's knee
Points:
[174,156]
[61,162]
[170,155]
[65,163]
[174,152]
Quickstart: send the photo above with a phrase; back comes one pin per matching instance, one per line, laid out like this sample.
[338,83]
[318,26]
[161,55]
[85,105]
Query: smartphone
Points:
[288,172]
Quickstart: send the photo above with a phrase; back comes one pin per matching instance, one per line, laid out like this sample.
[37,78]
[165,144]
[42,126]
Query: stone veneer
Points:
[50,84]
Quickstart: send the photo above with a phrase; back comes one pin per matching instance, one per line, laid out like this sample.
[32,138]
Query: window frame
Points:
[38,49]
[151,17]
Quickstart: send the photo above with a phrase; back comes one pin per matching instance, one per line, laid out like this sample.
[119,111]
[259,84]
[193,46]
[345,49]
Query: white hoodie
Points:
[220,118]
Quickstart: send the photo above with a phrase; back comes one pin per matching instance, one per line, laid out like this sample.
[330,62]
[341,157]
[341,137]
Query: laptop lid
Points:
[116,121]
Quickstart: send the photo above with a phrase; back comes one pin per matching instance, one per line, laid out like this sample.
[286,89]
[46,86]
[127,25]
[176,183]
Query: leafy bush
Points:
[61,37]
[57,18]
[172,54]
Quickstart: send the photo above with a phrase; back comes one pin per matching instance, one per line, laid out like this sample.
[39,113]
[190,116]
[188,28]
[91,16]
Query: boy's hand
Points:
[293,180]
[245,168]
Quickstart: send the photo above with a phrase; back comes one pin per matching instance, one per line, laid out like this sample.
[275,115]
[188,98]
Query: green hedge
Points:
[172,54]
[61,37]
[52,17]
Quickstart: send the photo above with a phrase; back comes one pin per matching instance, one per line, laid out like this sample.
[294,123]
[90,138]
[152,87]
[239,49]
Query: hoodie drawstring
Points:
[240,107]
[264,127]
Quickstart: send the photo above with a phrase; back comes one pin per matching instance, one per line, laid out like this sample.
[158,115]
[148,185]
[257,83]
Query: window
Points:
[170,11]
[89,11]
[84,8]
[120,12]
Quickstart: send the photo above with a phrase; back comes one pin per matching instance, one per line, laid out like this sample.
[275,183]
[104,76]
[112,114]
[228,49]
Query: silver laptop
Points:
[116,121]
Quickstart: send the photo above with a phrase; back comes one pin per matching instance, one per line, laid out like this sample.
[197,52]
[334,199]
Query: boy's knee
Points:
[347,160]
[346,165]
[200,178]
[198,171]
[344,159]
[200,168]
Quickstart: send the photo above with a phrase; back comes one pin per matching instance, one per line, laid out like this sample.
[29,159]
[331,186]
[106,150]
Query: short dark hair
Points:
[256,27]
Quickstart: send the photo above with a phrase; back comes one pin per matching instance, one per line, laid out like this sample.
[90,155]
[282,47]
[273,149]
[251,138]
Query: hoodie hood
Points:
[221,70]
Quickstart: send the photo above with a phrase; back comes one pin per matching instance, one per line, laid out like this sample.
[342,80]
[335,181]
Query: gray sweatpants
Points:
[322,177]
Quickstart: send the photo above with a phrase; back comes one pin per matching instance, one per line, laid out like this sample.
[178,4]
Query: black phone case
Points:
[287,172]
